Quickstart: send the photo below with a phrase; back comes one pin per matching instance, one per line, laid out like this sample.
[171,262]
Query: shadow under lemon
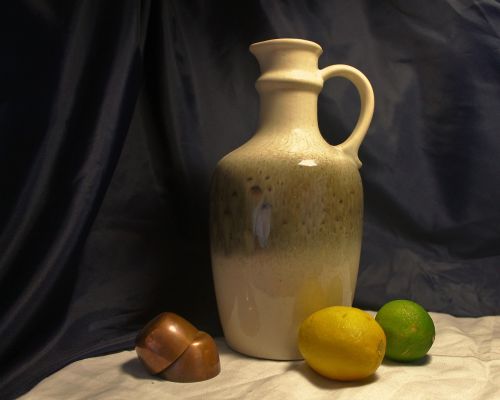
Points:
[325,383]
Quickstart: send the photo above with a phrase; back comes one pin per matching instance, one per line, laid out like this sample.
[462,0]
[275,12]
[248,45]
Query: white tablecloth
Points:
[464,363]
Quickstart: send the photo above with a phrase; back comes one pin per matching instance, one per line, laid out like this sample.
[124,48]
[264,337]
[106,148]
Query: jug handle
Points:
[351,145]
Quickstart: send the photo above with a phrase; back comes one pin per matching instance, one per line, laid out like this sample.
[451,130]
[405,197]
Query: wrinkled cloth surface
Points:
[113,115]
[464,363]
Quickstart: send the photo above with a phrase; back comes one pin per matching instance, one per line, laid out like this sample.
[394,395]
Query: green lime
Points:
[409,330]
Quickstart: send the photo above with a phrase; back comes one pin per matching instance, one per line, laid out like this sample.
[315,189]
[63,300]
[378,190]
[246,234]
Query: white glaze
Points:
[286,208]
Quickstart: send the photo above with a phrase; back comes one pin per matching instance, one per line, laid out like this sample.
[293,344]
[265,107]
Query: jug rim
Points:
[296,43]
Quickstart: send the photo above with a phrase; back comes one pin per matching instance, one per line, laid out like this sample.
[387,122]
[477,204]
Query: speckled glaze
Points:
[286,207]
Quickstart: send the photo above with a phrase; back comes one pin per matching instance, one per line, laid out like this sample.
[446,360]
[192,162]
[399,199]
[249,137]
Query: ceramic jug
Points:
[286,207]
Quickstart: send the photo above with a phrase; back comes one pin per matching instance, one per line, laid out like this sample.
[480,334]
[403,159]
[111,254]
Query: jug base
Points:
[265,354]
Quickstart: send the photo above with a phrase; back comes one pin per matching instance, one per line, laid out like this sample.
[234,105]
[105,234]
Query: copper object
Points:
[172,347]
[199,362]
[163,340]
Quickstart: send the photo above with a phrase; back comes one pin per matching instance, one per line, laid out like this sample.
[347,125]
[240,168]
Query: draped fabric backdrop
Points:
[113,115]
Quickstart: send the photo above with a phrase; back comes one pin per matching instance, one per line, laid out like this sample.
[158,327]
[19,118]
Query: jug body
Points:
[286,212]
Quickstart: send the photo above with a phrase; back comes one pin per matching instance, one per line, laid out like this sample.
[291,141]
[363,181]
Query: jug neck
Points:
[287,110]
[289,83]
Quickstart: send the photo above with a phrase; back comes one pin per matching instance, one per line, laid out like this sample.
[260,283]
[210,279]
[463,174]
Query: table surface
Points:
[464,363]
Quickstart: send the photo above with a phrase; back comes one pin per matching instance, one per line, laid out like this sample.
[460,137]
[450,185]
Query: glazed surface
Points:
[286,207]
[286,234]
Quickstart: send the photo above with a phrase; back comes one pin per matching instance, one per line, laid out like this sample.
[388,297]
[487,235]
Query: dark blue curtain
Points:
[113,115]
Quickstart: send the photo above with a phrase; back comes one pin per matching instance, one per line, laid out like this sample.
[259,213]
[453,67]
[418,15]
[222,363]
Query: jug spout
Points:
[288,63]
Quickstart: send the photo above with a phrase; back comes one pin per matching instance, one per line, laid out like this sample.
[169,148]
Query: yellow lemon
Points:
[342,343]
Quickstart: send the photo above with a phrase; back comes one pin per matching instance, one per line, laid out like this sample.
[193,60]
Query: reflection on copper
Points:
[198,363]
[171,346]
[163,340]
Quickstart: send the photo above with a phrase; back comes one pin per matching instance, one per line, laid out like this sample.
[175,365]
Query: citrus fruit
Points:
[409,330]
[342,343]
